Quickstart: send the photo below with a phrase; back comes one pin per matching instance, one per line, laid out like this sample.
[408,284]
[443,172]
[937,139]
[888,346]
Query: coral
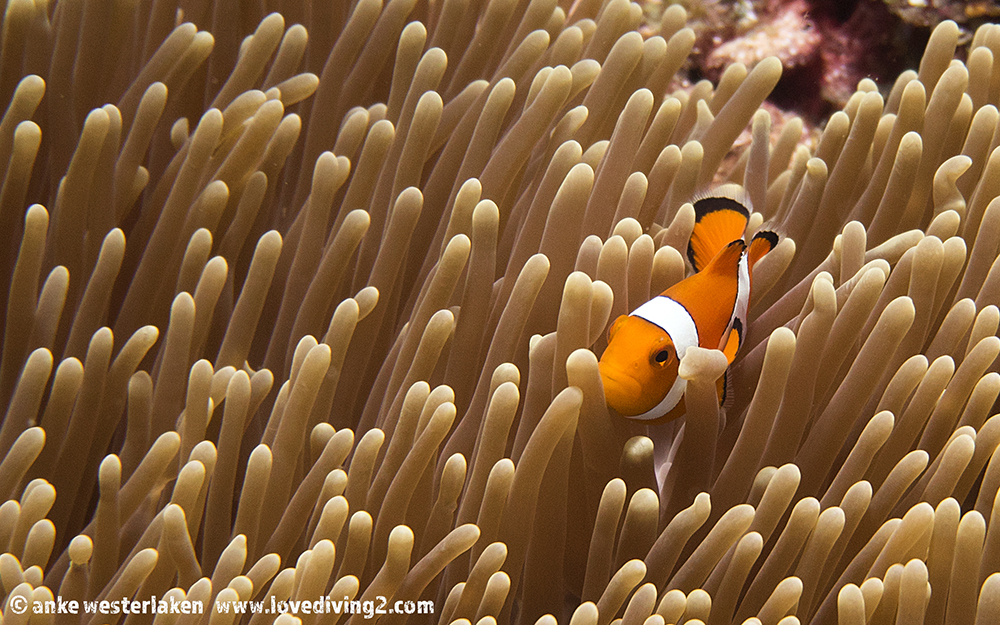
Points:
[312,312]
[923,13]
[825,47]
[870,43]
[787,34]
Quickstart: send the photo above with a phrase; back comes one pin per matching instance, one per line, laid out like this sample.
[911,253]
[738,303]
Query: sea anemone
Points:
[313,314]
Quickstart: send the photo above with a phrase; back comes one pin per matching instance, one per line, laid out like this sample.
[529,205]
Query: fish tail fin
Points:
[762,243]
[720,218]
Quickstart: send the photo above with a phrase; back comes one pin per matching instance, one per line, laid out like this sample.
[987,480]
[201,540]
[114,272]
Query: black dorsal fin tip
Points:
[724,197]
[768,235]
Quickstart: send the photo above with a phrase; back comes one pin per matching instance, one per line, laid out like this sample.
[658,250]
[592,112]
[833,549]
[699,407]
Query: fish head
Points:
[639,366]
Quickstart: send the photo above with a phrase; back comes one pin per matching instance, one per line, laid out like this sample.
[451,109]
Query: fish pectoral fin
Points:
[732,345]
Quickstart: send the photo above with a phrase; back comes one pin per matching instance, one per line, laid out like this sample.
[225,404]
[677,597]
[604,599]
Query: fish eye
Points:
[662,356]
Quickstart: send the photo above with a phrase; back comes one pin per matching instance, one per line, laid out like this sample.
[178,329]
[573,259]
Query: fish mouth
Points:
[621,391]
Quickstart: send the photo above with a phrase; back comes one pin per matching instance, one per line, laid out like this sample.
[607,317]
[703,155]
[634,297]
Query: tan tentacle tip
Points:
[80,549]
[637,448]
[32,438]
[702,364]
[400,535]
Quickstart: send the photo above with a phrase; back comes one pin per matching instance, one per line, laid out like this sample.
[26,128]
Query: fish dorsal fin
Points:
[719,219]
[762,243]
[727,259]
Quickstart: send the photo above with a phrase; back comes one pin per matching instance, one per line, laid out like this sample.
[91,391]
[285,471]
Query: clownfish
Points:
[707,309]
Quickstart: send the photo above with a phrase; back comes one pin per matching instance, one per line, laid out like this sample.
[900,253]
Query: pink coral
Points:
[826,47]
[788,33]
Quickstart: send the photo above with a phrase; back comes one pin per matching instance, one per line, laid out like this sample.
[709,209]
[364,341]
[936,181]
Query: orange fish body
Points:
[707,309]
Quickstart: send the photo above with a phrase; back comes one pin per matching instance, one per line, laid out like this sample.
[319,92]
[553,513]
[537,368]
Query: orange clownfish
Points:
[708,309]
